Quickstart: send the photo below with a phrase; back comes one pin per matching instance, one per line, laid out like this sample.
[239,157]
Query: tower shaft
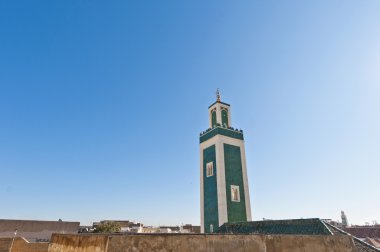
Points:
[223,170]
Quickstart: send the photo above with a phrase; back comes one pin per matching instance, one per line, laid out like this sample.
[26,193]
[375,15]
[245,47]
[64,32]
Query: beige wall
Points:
[203,243]
[78,243]
[5,244]
[33,230]
[182,243]
[236,243]
[21,245]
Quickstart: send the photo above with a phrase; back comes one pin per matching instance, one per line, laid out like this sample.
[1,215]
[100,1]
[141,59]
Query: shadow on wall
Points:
[22,245]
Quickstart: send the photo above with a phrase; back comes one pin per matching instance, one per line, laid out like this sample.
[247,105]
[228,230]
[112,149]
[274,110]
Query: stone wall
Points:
[22,245]
[5,244]
[202,243]
[78,243]
[33,230]
[183,243]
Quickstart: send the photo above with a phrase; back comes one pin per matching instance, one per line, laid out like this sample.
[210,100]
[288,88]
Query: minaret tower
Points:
[224,182]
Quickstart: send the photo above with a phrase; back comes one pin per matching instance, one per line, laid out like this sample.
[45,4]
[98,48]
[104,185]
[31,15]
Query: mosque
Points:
[224,191]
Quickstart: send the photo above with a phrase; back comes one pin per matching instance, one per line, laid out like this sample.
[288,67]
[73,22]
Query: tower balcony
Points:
[221,130]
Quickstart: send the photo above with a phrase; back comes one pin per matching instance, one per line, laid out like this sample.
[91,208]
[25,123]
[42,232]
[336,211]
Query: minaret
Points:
[223,169]
[344,219]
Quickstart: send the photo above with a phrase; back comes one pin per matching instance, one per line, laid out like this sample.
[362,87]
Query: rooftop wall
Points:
[22,245]
[78,243]
[34,230]
[202,243]
[5,244]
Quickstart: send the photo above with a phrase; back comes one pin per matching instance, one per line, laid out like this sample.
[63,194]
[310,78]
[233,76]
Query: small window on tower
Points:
[209,169]
[235,193]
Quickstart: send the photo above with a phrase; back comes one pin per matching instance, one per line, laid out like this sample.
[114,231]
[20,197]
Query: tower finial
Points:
[217,95]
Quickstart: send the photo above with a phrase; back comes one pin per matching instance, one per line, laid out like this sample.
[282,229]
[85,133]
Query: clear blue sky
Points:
[102,103]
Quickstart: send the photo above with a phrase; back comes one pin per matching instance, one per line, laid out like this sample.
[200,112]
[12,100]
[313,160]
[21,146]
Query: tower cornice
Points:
[220,103]
[228,132]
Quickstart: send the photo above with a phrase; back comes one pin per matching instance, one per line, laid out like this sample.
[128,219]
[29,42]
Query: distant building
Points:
[36,231]
[364,231]
[126,225]
[150,230]
[169,229]
[137,227]
[188,228]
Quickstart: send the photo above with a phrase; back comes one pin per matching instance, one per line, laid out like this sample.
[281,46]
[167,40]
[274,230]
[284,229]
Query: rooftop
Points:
[313,226]
[274,227]
[364,232]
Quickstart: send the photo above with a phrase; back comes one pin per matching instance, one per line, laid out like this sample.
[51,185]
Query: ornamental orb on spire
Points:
[217,95]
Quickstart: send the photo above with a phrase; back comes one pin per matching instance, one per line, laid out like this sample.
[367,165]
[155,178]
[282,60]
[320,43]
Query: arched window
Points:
[213,118]
[225,117]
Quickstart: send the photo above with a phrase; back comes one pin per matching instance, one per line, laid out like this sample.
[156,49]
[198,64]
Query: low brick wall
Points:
[202,243]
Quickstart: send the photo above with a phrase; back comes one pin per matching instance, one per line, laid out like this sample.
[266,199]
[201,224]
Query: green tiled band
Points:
[221,131]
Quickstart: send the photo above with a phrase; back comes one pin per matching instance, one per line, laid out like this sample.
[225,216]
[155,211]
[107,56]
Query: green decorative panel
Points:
[221,131]
[213,118]
[234,176]
[210,192]
[224,118]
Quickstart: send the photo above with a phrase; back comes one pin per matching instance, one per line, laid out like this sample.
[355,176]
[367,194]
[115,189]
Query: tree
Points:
[108,227]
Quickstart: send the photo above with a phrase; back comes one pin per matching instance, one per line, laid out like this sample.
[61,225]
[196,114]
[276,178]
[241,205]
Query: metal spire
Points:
[217,95]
